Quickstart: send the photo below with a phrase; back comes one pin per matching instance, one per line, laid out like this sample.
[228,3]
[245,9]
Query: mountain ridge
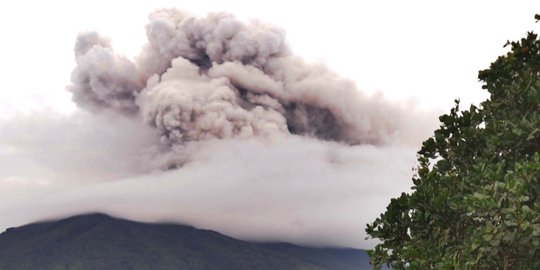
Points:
[100,241]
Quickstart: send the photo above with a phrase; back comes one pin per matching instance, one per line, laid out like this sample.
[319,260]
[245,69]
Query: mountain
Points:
[101,242]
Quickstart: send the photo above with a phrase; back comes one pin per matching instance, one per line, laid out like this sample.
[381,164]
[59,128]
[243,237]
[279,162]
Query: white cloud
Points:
[288,189]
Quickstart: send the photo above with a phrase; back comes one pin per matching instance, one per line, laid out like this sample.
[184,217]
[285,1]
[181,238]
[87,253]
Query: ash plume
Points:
[216,124]
[216,77]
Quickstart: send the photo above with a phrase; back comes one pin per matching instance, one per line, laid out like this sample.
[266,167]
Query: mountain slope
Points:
[97,241]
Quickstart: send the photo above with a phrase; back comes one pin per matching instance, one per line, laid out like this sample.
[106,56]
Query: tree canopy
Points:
[475,202]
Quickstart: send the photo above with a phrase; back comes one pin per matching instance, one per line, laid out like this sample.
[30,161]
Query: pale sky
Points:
[425,51]
[55,160]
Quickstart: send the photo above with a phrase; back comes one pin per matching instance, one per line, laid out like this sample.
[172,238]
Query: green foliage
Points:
[476,198]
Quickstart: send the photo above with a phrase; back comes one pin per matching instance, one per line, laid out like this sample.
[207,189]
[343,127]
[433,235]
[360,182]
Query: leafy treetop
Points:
[476,196]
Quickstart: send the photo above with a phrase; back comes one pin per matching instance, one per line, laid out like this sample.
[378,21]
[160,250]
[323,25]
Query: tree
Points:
[476,195]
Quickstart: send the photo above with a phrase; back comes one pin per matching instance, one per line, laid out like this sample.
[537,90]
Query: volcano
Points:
[99,241]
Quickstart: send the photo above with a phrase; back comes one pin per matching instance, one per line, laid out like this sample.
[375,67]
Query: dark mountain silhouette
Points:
[101,242]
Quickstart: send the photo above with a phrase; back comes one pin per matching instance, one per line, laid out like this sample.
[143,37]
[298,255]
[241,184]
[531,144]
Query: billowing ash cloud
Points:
[218,125]
[217,77]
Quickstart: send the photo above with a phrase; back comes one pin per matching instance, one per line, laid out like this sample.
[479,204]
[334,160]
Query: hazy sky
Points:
[408,59]
[428,51]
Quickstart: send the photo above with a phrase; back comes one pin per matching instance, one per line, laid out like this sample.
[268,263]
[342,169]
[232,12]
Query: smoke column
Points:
[216,77]
[215,124]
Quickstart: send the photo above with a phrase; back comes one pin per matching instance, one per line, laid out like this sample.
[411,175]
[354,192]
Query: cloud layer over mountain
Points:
[217,124]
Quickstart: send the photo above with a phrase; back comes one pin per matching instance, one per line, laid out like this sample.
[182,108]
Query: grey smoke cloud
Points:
[216,77]
[216,123]
[103,79]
